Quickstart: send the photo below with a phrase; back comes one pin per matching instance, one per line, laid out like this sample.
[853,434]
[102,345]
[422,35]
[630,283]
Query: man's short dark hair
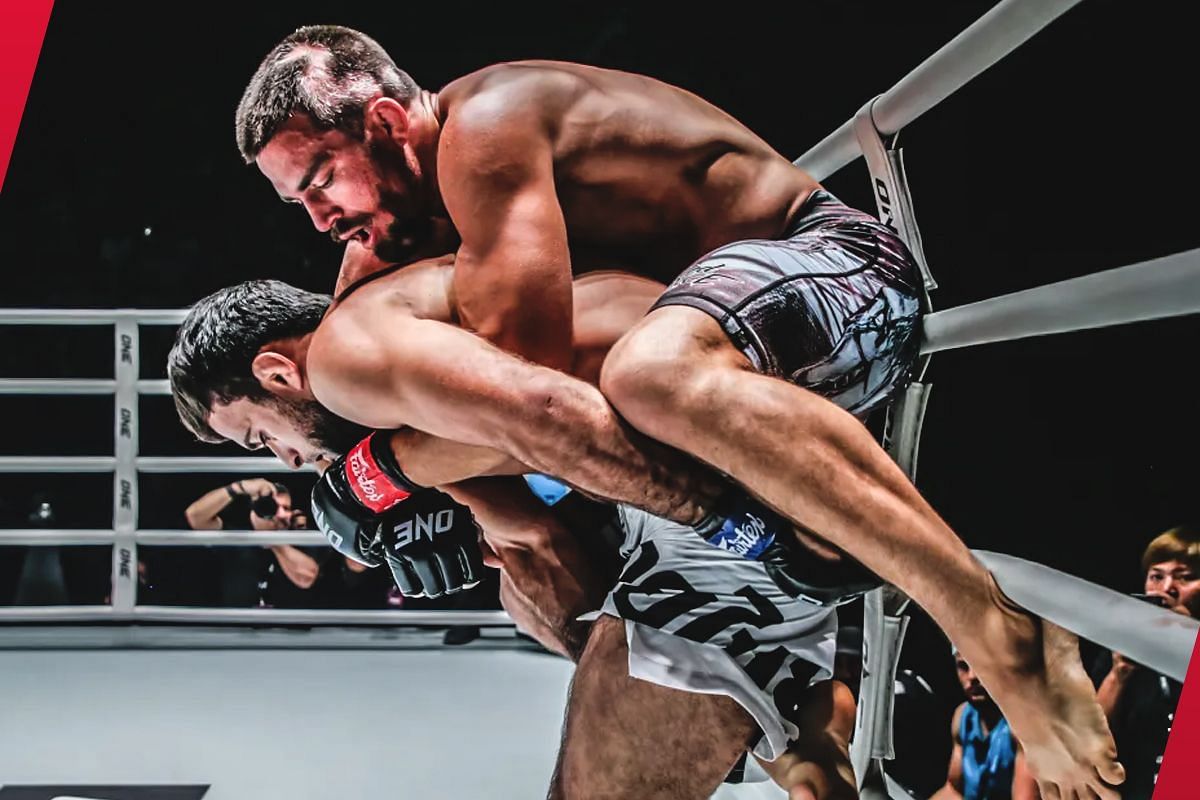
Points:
[1178,544]
[215,346]
[324,71]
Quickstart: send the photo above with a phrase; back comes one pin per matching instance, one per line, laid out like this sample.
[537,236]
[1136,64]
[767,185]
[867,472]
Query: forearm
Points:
[567,642]
[544,563]
[202,513]
[299,568]
[1110,693]
[429,460]
[575,435]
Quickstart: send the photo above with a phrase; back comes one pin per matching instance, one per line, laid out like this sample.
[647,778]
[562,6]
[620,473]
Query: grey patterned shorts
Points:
[833,307]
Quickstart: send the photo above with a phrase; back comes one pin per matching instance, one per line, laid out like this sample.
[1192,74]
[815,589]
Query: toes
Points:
[1111,772]
[1049,791]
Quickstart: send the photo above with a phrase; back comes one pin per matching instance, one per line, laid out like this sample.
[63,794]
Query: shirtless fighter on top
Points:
[787,316]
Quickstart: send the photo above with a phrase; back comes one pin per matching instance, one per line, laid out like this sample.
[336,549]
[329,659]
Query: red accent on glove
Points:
[370,485]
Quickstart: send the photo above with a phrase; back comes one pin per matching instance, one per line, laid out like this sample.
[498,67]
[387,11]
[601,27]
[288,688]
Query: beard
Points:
[411,232]
[406,240]
[321,428]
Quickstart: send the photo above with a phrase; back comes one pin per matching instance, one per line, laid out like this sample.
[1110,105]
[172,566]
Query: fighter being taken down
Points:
[752,662]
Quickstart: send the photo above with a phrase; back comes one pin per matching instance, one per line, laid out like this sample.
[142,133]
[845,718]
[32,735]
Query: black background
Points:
[1068,157]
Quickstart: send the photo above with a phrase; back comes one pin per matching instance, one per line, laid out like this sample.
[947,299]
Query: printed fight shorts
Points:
[833,307]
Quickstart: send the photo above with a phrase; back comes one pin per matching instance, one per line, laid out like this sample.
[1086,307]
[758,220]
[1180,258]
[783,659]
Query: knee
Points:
[630,375]
[642,382]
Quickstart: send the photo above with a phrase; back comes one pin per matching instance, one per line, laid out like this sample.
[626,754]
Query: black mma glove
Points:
[431,545]
[353,492]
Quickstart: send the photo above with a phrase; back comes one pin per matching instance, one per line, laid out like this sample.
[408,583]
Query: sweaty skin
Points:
[545,169]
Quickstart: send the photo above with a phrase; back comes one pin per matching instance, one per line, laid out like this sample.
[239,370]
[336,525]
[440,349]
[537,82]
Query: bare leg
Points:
[627,738]
[817,765]
[677,378]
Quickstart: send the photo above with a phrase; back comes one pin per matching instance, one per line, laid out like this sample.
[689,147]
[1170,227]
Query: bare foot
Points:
[1033,671]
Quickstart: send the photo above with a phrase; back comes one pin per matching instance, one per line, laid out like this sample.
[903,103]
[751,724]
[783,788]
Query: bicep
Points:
[512,277]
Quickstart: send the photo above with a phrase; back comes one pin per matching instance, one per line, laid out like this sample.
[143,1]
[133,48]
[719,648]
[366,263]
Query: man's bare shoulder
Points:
[509,92]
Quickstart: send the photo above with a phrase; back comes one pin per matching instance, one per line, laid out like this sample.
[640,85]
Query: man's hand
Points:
[353,492]
[431,545]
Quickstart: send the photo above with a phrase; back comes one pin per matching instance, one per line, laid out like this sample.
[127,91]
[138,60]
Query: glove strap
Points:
[374,485]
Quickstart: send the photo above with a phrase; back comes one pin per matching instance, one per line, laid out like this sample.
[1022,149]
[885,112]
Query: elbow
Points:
[305,579]
[198,522]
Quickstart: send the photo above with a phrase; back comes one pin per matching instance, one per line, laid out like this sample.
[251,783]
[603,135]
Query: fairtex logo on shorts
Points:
[748,540]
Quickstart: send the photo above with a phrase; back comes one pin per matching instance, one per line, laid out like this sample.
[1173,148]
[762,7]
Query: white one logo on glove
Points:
[360,470]
[423,526]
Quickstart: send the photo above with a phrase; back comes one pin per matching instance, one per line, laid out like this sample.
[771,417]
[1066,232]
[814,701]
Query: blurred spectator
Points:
[41,581]
[1140,704]
[985,763]
[280,576]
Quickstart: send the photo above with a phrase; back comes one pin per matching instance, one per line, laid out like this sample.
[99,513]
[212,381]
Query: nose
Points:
[286,455]
[323,215]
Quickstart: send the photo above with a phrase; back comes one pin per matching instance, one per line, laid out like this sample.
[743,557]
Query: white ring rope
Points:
[1154,637]
[158,538]
[1163,287]
[148,464]
[254,616]
[993,36]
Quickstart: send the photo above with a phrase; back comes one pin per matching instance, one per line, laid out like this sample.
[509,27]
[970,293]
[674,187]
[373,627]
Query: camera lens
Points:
[264,506]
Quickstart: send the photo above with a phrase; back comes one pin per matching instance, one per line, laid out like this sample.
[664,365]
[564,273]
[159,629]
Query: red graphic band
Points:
[370,485]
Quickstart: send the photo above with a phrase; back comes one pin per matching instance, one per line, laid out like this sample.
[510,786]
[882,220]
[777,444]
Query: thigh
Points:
[833,308]
[627,738]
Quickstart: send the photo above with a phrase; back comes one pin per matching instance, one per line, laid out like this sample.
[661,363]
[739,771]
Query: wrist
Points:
[234,490]
[373,475]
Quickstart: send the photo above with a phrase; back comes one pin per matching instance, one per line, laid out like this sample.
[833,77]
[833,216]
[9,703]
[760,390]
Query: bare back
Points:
[606,305]
[648,176]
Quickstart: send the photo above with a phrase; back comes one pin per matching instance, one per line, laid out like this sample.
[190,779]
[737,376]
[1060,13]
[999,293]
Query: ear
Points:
[278,374]
[386,119]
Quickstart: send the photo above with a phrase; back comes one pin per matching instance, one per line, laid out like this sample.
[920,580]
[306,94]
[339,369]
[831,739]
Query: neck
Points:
[989,714]
[425,130]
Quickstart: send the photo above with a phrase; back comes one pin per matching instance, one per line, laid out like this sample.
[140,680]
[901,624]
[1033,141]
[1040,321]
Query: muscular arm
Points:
[954,783]
[1024,784]
[430,460]
[300,568]
[551,580]
[512,276]
[1112,689]
[450,383]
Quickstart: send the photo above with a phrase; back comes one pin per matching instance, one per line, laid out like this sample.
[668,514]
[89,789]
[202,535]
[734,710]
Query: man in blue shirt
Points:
[986,762]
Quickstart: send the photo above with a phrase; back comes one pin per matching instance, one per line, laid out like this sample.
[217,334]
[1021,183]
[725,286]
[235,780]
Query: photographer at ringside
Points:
[1139,703]
[279,575]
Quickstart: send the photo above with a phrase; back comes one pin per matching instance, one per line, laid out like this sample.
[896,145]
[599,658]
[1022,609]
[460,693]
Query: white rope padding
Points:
[253,616]
[74,386]
[158,537]
[43,386]
[1162,287]
[993,36]
[1154,637]
[147,464]
[91,316]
